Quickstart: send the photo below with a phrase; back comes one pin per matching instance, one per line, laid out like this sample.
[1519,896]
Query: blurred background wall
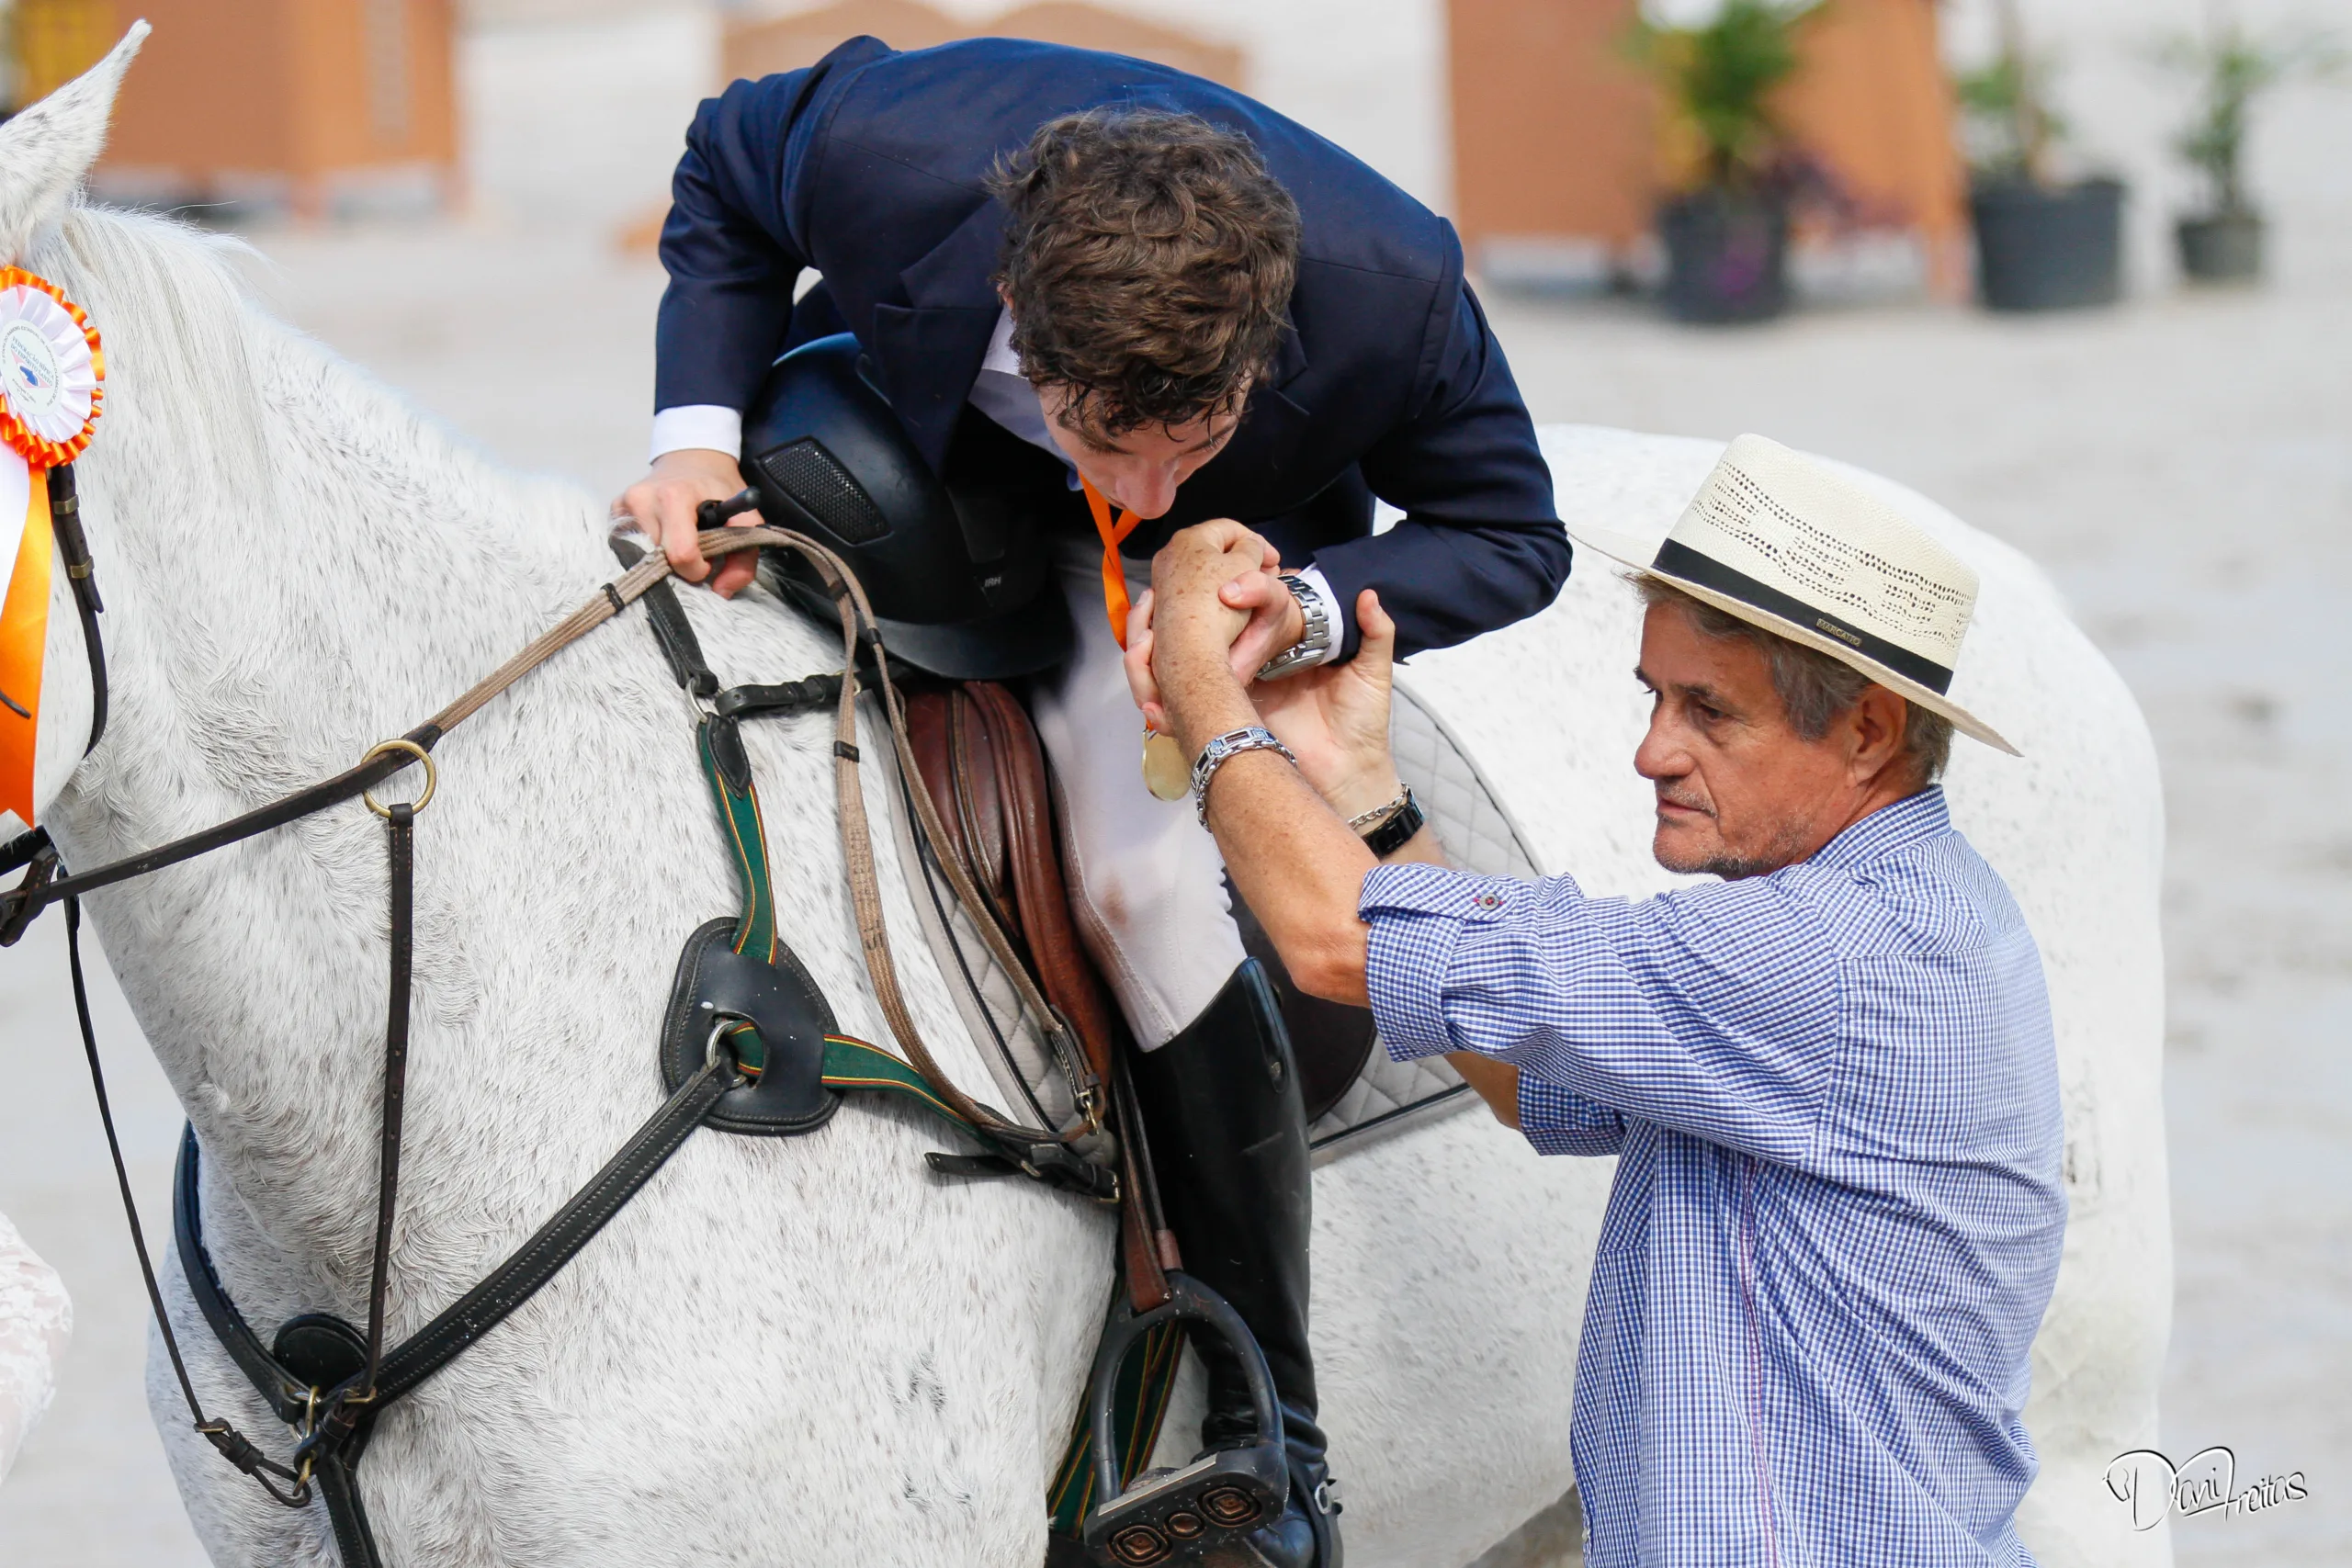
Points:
[320,105]
[1560,154]
[1523,119]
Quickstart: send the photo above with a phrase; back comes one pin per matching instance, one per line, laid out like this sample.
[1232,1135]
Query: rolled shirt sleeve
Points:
[1713,1010]
[1559,1122]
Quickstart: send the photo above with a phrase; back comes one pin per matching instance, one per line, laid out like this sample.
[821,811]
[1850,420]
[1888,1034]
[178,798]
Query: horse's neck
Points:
[297,564]
[296,567]
[291,577]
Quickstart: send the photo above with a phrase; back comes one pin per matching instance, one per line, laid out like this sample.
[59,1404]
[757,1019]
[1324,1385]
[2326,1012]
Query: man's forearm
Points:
[1294,864]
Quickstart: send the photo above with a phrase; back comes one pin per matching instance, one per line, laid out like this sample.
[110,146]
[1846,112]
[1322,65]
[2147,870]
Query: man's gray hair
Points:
[1813,687]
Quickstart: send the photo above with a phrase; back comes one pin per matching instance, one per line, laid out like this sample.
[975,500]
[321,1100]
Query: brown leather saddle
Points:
[986,774]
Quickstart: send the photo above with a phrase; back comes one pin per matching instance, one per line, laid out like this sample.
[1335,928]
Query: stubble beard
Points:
[1721,862]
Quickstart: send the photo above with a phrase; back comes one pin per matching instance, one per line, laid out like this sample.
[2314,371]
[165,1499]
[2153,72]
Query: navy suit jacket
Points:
[870,165]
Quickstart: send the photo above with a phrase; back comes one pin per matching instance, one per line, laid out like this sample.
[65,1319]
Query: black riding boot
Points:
[1227,1129]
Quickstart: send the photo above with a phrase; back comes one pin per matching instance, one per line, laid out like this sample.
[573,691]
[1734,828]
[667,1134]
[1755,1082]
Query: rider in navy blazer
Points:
[873,168]
[869,166]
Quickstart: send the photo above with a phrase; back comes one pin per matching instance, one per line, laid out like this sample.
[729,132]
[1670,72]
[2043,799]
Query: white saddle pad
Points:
[1477,834]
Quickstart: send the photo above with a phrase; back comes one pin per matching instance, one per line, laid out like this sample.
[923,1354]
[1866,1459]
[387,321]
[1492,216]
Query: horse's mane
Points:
[172,289]
[209,349]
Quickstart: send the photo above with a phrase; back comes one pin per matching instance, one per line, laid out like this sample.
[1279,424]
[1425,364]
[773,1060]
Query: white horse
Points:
[36,1320]
[806,1350]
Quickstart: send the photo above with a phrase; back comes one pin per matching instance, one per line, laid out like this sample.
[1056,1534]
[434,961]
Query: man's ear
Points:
[1880,720]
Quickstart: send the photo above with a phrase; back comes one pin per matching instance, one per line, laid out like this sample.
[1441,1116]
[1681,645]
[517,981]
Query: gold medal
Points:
[1165,771]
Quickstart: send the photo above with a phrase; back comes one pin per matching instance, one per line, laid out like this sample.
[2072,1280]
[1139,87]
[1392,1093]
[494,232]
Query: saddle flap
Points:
[982,805]
[932,717]
[716,986]
[986,771]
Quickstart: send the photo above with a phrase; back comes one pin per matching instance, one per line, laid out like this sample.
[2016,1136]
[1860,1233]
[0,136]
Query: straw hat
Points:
[1779,540]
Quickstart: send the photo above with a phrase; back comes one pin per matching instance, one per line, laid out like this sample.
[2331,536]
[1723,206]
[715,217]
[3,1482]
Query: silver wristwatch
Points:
[1312,644]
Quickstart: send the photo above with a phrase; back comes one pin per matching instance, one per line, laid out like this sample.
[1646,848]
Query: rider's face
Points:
[1137,470]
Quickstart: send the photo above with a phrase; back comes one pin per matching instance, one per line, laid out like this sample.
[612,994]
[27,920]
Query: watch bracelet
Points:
[1400,829]
[1223,749]
[1304,653]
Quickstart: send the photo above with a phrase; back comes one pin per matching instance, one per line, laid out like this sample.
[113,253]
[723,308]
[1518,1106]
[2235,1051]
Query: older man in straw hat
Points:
[1829,1075]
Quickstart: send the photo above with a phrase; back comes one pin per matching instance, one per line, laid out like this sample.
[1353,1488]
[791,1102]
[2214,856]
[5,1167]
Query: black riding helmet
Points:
[957,573]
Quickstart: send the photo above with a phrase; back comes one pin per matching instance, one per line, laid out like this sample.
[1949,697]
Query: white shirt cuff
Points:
[1311,579]
[706,426]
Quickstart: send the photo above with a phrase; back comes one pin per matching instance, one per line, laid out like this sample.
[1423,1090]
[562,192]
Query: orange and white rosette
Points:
[51,386]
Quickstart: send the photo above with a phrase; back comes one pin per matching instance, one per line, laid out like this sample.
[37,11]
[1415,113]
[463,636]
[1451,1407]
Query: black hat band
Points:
[1681,560]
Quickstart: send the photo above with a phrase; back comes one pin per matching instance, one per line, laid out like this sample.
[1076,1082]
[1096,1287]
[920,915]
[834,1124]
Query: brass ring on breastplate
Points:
[431,774]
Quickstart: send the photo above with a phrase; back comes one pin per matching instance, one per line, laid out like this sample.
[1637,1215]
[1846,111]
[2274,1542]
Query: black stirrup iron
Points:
[1221,1497]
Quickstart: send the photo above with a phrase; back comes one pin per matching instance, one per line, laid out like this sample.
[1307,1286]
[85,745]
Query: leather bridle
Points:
[335,1421]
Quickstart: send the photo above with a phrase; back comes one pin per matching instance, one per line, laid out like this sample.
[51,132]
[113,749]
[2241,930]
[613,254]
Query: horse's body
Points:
[807,1350]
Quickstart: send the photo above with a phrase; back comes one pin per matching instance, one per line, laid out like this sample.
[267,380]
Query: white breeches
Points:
[1148,881]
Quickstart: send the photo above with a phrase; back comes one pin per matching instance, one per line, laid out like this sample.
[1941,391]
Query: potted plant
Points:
[1727,234]
[2042,243]
[2224,242]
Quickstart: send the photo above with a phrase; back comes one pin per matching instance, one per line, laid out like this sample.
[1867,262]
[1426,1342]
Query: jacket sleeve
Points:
[729,245]
[1480,545]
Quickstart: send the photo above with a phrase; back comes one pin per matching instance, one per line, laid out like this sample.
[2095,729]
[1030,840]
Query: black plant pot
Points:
[1727,255]
[2223,248]
[2048,248]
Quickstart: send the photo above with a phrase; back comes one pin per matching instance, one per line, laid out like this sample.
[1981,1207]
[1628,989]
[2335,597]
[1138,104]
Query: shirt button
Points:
[1487,901]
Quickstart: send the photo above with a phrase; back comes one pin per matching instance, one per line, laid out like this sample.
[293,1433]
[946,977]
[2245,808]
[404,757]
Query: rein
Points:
[335,1415]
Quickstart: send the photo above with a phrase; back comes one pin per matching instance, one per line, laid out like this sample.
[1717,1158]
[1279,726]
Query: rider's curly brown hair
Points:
[1148,263]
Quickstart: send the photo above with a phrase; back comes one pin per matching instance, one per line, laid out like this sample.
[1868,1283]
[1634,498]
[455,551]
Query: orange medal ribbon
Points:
[1115,575]
[51,371]
[24,637]
[1165,771]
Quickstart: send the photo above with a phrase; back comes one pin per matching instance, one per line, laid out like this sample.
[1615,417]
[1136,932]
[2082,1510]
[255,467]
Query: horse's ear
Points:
[46,149]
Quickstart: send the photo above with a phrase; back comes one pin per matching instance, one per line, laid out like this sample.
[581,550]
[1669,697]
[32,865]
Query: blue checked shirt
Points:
[1837,1215]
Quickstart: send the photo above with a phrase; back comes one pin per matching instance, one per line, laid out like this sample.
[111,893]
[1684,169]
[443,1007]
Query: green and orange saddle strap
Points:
[850,1063]
[1147,1378]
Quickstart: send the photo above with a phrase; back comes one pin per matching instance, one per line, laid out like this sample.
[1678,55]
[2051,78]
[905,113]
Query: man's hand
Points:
[1276,621]
[1205,558]
[1180,634]
[1496,1083]
[662,504]
[1334,717]
[1241,567]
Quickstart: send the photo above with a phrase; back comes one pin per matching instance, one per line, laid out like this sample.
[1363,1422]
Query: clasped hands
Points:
[1190,660]
[1198,636]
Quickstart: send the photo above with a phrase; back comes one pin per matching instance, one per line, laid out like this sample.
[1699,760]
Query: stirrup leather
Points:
[1170,1516]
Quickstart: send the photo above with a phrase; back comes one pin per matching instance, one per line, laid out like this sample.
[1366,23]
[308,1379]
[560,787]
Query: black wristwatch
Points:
[1397,831]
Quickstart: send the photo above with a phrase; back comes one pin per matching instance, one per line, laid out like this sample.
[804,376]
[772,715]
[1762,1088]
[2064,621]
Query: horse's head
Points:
[45,152]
